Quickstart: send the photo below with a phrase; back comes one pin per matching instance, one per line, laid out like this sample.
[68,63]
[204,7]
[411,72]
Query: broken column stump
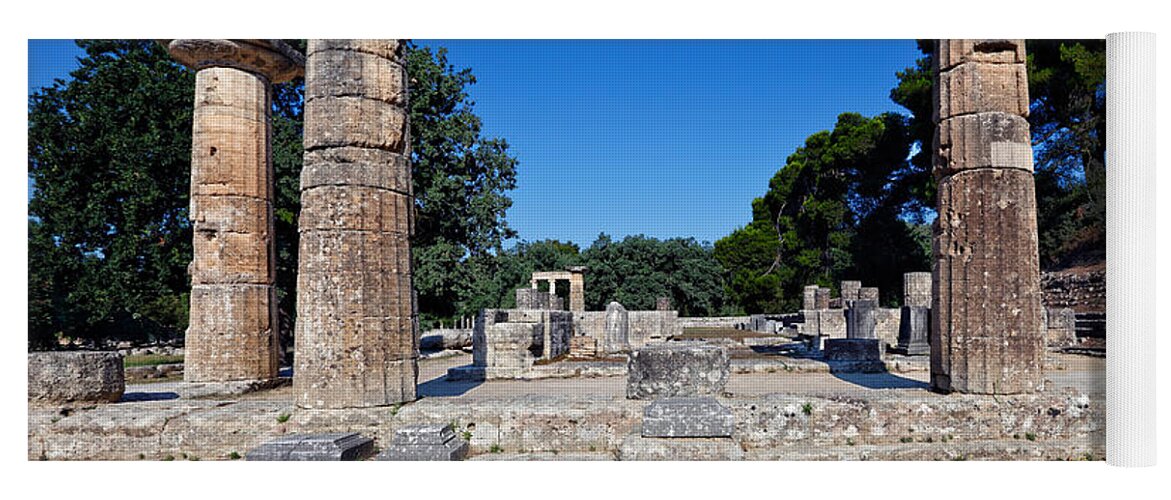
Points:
[431,442]
[336,446]
[75,377]
[357,338]
[677,369]
[986,336]
[233,320]
[852,350]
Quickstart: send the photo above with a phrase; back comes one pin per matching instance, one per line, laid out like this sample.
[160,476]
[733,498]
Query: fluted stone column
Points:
[233,332]
[357,340]
[986,311]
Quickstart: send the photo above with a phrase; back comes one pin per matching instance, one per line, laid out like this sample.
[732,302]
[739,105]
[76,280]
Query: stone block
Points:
[616,336]
[954,52]
[677,369]
[809,298]
[861,321]
[914,326]
[980,87]
[1060,327]
[821,298]
[852,350]
[337,446]
[637,448]
[355,208]
[992,139]
[433,442]
[683,417]
[341,72]
[352,166]
[354,121]
[868,293]
[917,289]
[75,377]
[850,291]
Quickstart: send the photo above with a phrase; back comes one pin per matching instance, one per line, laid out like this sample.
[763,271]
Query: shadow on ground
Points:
[880,380]
[135,397]
[441,387]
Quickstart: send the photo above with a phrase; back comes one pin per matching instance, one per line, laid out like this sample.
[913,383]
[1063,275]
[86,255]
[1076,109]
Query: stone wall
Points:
[736,322]
[644,327]
[1082,291]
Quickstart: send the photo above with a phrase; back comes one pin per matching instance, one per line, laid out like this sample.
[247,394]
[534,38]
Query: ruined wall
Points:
[886,327]
[1081,291]
[735,322]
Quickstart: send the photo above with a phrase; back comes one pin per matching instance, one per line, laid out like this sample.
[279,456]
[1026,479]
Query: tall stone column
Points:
[577,289]
[986,311]
[233,321]
[357,340]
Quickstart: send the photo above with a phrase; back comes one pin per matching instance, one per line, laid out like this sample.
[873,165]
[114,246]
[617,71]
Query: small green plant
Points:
[193,458]
[169,458]
[495,448]
[55,419]
[282,418]
[959,458]
[807,408]
[1089,457]
[233,456]
[394,409]
[1030,436]
[142,456]
[929,440]
[850,441]
[467,435]
[1016,436]
[950,437]
[906,440]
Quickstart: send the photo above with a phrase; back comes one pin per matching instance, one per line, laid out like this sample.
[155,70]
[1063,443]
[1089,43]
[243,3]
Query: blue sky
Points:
[659,137]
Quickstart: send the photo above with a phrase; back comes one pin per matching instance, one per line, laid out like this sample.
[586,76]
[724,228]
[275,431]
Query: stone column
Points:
[357,343]
[809,298]
[821,299]
[233,332]
[986,311]
[917,289]
[576,291]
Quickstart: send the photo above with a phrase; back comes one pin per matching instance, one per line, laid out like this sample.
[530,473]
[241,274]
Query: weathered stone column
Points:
[821,299]
[357,343]
[809,298]
[986,312]
[577,289]
[233,321]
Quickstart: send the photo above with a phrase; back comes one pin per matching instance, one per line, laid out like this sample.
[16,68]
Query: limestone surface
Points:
[336,446]
[677,369]
[433,442]
[684,417]
[75,377]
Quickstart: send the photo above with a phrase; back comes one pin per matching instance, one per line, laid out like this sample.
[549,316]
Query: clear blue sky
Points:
[664,138]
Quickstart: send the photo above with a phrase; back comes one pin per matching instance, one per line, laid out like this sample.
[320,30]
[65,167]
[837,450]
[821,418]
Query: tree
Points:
[833,212]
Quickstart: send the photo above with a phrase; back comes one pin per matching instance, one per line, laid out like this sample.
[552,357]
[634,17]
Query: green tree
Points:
[638,269]
[833,212]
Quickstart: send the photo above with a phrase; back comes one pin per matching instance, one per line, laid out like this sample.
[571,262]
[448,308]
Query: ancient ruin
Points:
[576,278]
[986,313]
[357,343]
[233,320]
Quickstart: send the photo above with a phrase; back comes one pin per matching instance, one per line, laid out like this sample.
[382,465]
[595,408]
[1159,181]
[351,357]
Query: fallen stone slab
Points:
[423,442]
[677,369]
[687,418]
[75,376]
[335,446]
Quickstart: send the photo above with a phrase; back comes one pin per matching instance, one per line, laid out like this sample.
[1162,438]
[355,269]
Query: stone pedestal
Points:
[917,289]
[616,336]
[914,325]
[75,377]
[861,321]
[677,369]
[426,442]
[986,336]
[338,446]
[687,418]
[852,350]
[357,340]
[232,333]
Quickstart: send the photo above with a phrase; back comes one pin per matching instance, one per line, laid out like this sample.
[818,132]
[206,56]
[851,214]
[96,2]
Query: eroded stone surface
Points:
[337,446]
[687,418]
[677,369]
[75,377]
[434,442]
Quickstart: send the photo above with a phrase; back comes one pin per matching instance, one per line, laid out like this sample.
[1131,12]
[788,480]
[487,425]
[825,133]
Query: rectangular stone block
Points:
[914,326]
[348,72]
[979,88]
[75,377]
[982,140]
[684,417]
[230,157]
[821,298]
[809,298]
[355,208]
[860,320]
[677,369]
[986,333]
[232,333]
[436,442]
[357,167]
[852,350]
[850,291]
[355,121]
[339,446]
[954,52]
[388,48]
